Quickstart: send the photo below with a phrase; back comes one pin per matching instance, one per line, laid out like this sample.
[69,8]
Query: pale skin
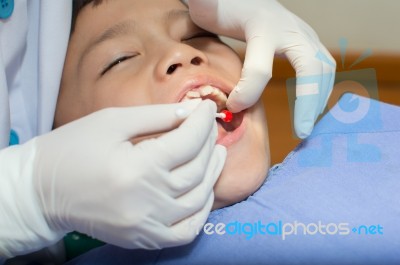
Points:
[140,52]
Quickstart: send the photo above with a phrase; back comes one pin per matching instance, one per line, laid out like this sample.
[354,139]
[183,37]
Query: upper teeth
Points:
[208,92]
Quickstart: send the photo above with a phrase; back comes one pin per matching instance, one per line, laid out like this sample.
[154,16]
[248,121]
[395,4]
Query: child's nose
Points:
[179,57]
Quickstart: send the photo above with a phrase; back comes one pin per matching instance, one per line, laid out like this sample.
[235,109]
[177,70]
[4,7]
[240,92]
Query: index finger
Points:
[185,142]
[314,81]
[256,73]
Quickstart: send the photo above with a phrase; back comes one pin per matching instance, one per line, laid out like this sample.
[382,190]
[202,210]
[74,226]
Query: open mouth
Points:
[226,130]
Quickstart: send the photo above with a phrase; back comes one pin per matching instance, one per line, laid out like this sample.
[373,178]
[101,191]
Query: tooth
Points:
[210,92]
[193,94]
[215,92]
[207,90]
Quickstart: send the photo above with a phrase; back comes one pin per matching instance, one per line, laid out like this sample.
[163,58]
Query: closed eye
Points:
[202,34]
[116,62]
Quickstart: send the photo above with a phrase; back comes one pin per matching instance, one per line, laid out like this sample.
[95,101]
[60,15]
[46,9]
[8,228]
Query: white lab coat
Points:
[33,42]
[33,45]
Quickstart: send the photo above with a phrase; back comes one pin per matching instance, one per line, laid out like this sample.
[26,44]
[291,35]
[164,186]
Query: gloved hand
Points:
[269,28]
[87,176]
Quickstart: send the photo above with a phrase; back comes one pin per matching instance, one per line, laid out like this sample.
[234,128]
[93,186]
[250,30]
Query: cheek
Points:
[122,91]
[244,171]
[226,61]
[247,162]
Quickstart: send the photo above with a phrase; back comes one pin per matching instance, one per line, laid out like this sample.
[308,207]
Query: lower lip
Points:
[228,138]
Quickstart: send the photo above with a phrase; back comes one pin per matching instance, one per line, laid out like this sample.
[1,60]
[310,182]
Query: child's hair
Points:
[77,6]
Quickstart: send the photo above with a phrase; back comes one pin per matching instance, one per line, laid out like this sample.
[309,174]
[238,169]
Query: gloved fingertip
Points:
[302,135]
[221,150]
[233,104]
[185,108]
[211,104]
[304,131]
[181,113]
[304,128]
[234,108]
[209,107]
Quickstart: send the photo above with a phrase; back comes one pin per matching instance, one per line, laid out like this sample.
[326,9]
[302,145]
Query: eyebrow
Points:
[128,27]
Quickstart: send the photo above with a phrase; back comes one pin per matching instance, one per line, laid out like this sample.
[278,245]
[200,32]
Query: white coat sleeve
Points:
[23,226]
[33,42]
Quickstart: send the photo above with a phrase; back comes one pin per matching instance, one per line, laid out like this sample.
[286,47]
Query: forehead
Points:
[93,21]
[112,11]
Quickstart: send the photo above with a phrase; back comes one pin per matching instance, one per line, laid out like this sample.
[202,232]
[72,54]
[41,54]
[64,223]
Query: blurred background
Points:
[366,30]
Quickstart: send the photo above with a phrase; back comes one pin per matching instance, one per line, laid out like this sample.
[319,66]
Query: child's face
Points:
[141,52]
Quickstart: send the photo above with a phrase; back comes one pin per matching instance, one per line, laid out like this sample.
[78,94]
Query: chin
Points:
[236,183]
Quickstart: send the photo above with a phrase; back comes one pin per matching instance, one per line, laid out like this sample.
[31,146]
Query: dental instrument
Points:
[225,115]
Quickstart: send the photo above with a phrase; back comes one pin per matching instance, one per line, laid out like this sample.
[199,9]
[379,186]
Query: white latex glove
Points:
[88,177]
[269,28]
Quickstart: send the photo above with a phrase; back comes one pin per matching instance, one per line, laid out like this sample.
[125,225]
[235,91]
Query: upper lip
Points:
[202,80]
